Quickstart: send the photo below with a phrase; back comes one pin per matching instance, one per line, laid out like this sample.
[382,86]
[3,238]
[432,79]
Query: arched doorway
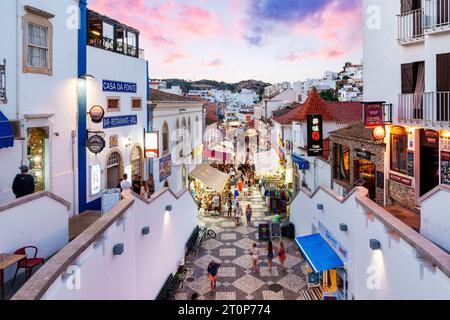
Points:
[113,170]
[137,159]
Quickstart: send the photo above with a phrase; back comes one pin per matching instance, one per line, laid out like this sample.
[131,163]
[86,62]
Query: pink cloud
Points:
[215,63]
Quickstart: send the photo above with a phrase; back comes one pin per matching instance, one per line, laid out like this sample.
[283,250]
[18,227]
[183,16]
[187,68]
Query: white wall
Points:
[24,225]
[435,219]
[126,69]
[36,94]
[146,262]
[401,274]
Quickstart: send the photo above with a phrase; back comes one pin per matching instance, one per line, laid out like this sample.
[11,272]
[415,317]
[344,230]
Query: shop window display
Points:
[36,153]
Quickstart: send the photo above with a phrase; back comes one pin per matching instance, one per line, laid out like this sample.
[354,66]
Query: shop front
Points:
[205,183]
[325,269]
[357,160]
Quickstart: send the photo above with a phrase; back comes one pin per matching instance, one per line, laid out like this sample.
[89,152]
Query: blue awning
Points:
[302,163]
[6,132]
[320,256]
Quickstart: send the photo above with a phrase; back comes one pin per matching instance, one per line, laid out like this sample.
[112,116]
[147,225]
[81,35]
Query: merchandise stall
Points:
[205,182]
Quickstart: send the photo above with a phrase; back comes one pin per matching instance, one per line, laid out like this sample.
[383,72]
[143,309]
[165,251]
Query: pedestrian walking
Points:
[240,185]
[282,255]
[255,256]
[230,207]
[125,185]
[144,190]
[151,184]
[213,274]
[23,183]
[136,184]
[248,215]
[238,211]
[216,204]
[270,255]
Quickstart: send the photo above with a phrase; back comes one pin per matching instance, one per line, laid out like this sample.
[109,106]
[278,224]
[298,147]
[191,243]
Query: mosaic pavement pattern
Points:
[231,248]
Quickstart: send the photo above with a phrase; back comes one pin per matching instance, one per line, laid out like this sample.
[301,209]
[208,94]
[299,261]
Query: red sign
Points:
[432,137]
[151,145]
[373,115]
[315,135]
[402,180]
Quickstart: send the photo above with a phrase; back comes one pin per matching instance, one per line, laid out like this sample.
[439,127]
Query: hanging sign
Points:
[165,168]
[118,86]
[373,114]
[315,135]
[97,113]
[96,143]
[151,145]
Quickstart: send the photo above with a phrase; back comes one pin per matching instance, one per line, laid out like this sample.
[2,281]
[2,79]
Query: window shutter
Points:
[408,78]
[442,9]
[443,72]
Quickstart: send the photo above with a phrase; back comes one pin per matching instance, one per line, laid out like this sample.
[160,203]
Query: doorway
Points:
[38,156]
[113,170]
[366,171]
[429,160]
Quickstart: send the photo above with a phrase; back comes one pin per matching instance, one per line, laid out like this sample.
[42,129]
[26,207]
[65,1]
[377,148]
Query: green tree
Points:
[328,95]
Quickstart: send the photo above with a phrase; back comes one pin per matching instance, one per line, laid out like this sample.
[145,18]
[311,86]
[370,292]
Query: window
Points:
[3,82]
[165,138]
[136,161]
[341,162]
[136,103]
[113,104]
[399,146]
[38,35]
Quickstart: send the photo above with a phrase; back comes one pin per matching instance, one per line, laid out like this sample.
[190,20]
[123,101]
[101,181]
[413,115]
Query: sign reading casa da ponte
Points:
[118,86]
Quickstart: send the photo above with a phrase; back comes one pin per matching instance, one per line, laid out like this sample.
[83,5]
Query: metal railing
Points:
[115,46]
[437,14]
[429,108]
[410,26]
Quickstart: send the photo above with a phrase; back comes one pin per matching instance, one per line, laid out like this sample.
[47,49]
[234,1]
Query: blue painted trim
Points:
[149,118]
[82,107]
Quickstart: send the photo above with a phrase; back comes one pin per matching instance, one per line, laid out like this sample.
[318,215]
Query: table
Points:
[7,260]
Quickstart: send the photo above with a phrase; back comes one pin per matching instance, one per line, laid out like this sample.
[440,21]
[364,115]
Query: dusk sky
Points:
[233,40]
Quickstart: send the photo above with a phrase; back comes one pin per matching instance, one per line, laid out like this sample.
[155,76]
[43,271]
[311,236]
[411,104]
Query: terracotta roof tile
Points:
[356,131]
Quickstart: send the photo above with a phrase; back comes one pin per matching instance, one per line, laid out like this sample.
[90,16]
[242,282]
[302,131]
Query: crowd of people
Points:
[144,188]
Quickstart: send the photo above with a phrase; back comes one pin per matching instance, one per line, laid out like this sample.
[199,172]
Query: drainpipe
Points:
[18,33]
[74,177]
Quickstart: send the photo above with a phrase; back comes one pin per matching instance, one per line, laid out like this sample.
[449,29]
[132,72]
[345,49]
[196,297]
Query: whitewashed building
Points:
[411,75]
[38,95]
[169,114]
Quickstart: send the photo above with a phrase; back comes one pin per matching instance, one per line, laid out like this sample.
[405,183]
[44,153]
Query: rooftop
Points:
[356,131]
[161,96]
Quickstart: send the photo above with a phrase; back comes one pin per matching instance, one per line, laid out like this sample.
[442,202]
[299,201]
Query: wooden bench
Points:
[192,239]
[167,290]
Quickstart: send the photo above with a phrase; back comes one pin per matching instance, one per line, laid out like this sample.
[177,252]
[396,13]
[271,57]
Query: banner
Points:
[165,168]
[151,144]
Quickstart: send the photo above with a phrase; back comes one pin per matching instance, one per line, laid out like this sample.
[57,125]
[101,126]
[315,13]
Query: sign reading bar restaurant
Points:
[315,135]
[119,121]
[118,86]
[373,115]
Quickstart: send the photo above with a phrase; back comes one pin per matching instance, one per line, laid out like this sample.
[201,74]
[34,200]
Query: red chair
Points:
[27,263]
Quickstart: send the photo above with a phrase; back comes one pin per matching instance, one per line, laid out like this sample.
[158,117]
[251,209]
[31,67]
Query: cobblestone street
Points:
[231,248]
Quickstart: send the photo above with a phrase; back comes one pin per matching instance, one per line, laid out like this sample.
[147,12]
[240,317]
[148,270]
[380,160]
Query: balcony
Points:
[410,27]
[111,35]
[436,16]
[430,108]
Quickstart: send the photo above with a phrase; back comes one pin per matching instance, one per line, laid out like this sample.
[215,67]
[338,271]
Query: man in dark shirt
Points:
[23,184]
[136,184]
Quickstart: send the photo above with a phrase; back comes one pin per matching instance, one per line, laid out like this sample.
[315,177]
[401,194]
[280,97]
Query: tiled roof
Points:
[346,112]
[355,131]
[157,95]
[338,112]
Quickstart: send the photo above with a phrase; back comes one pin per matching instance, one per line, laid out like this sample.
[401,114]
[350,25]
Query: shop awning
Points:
[320,256]
[6,132]
[210,177]
[217,155]
[303,164]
